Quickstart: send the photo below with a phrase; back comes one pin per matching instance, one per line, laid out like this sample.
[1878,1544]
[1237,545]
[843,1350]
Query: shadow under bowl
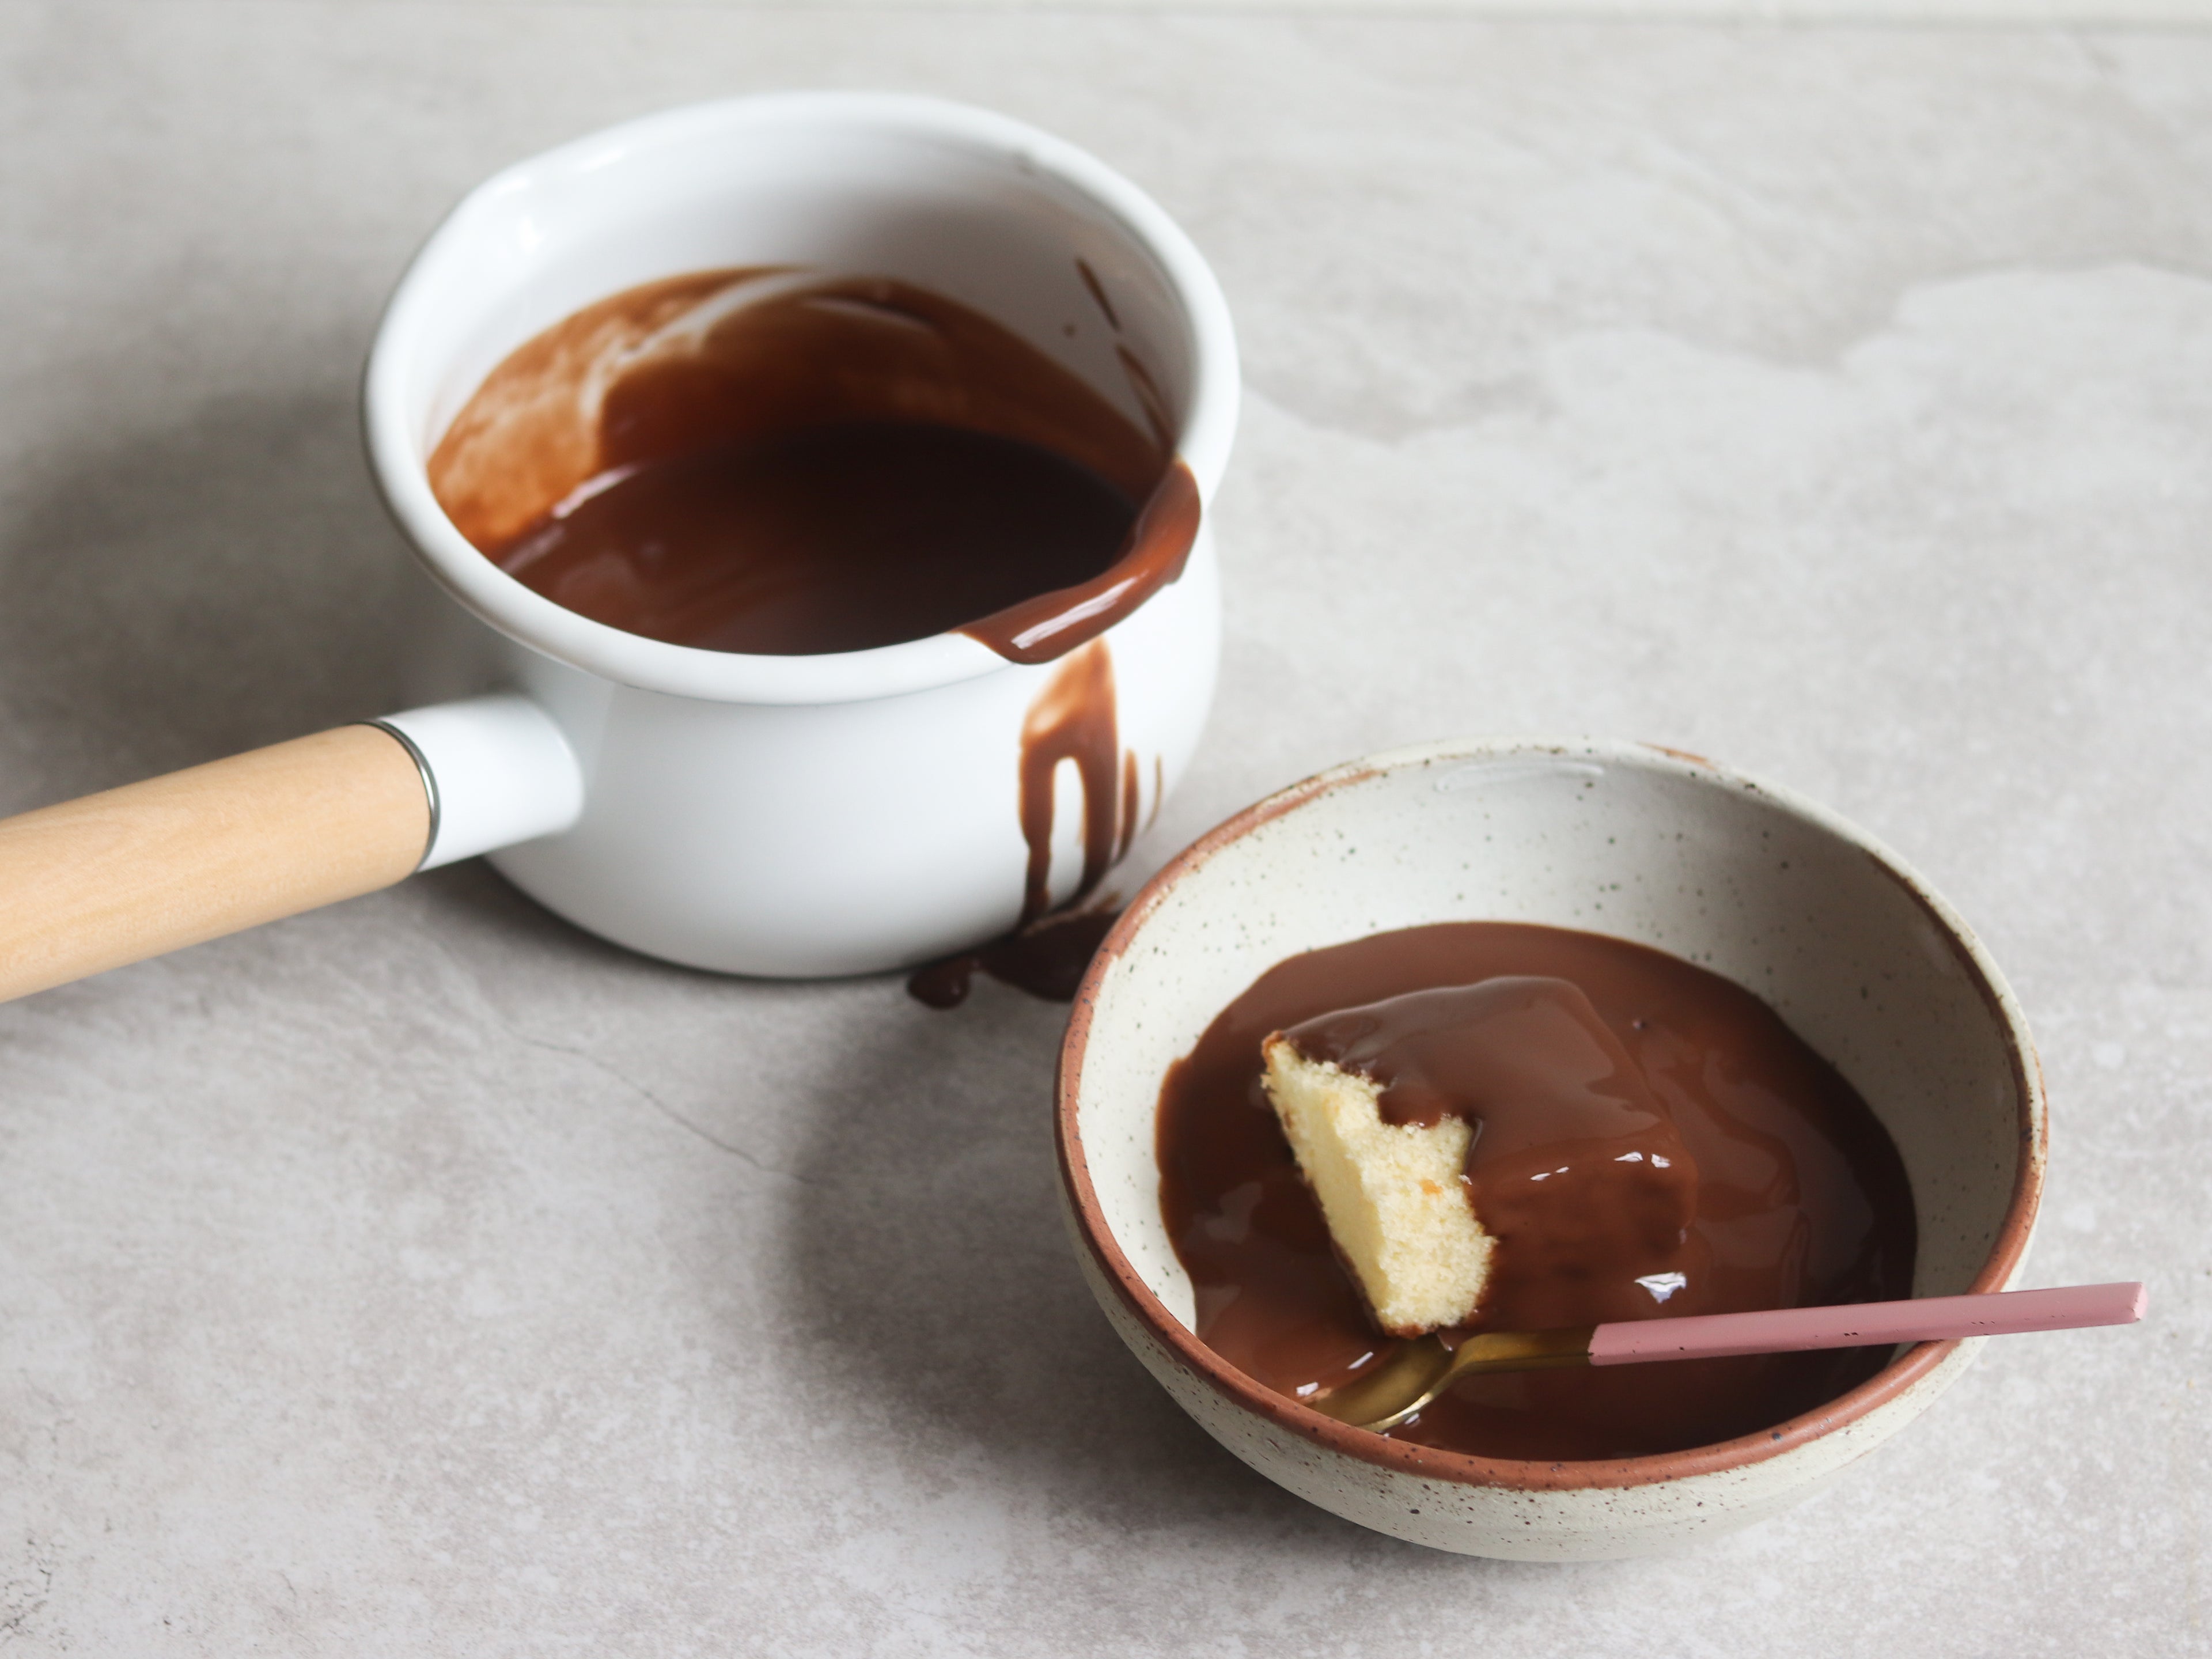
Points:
[1851,948]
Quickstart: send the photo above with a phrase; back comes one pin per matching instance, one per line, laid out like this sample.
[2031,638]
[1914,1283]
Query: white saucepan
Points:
[785,816]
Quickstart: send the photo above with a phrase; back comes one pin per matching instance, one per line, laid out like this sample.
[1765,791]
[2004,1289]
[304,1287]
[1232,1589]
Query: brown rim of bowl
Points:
[1886,1384]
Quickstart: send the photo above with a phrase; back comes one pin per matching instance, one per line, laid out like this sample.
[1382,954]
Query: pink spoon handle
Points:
[1866,1324]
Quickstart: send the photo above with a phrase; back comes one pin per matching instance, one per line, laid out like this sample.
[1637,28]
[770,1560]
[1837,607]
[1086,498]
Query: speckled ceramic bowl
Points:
[1863,961]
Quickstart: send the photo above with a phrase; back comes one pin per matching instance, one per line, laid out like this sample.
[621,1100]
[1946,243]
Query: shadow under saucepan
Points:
[175,593]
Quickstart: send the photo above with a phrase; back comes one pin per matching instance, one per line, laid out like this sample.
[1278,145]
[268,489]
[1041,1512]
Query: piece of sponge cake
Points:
[1395,1195]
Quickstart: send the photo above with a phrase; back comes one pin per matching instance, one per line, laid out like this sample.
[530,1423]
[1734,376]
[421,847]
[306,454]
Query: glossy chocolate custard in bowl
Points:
[782,462]
[1645,1140]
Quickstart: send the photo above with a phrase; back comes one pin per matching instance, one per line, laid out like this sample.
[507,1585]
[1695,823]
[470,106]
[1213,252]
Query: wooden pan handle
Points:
[154,867]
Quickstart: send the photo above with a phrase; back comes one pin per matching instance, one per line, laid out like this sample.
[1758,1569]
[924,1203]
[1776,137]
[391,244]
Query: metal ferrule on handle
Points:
[496,770]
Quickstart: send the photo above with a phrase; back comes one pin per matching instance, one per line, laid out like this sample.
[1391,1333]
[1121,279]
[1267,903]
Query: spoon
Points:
[1422,1370]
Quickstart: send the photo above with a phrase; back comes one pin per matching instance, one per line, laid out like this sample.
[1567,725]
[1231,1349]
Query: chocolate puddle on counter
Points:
[768,461]
[1047,959]
[1801,1198]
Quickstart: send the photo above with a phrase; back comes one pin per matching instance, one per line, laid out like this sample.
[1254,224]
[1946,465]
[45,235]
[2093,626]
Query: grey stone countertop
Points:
[424,1277]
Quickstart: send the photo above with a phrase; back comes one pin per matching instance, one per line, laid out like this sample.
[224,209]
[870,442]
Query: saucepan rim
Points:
[395,452]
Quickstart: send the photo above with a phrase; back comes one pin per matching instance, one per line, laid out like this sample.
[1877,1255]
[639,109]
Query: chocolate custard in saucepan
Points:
[1566,1052]
[770,462]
